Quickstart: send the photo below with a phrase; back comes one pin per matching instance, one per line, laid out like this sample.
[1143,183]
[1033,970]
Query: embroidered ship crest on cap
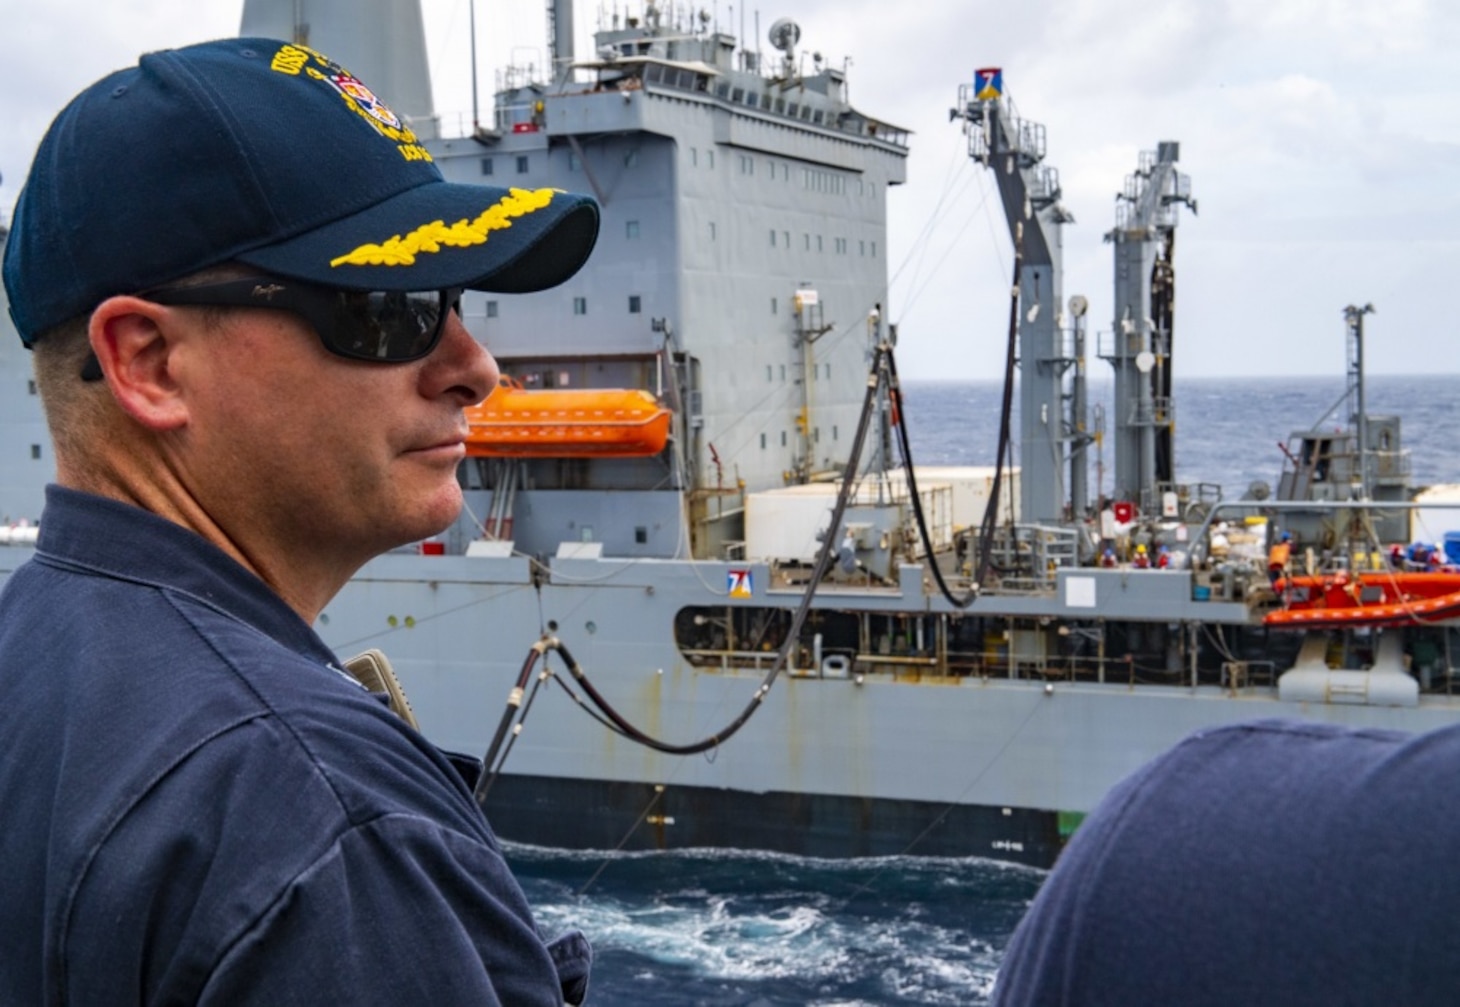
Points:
[295,60]
[355,88]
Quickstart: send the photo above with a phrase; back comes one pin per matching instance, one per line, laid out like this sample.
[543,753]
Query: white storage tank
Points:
[1430,523]
[972,485]
[783,524]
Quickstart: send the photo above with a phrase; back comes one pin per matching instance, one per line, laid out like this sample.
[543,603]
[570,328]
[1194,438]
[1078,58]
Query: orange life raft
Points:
[516,422]
[1369,598]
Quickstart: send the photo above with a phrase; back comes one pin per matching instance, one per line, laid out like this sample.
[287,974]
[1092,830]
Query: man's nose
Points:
[459,365]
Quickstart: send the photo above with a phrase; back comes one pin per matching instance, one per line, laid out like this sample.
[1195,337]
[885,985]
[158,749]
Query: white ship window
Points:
[781,105]
[580,305]
[491,309]
[486,166]
[631,229]
[833,431]
[861,246]
[35,451]
[783,438]
[769,372]
[722,90]
[805,111]
[874,249]
[773,237]
[712,230]
[817,117]
[818,242]
[30,387]
[762,442]
[807,241]
[738,94]
[694,157]
[786,238]
[711,155]
[634,304]
[841,246]
[747,165]
[816,435]
[521,164]
[783,372]
[775,306]
[793,110]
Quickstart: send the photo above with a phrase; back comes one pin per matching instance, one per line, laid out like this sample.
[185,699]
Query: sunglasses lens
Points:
[386,326]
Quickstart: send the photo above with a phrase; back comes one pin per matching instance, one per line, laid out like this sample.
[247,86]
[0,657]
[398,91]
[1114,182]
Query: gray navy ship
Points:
[703,595]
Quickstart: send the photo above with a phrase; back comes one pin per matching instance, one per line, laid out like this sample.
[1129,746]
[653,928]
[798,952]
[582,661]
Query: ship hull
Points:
[874,763]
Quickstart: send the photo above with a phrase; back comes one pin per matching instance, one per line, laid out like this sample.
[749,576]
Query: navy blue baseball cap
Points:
[266,153]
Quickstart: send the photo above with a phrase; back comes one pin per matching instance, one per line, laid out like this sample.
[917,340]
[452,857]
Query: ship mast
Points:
[1014,149]
[379,41]
[1353,317]
[1141,334]
[560,36]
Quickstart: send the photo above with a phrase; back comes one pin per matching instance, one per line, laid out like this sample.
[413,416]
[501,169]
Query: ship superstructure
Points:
[654,492]
[742,249]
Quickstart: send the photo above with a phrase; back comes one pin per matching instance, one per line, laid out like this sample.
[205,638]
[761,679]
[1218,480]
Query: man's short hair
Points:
[74,408]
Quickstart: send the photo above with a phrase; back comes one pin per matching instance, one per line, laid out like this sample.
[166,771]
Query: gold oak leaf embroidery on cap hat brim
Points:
[430,238]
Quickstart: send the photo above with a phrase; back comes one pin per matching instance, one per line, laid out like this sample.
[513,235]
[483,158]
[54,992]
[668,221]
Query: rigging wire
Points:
[643,815]
[957,801]
[918,286]
[918,252]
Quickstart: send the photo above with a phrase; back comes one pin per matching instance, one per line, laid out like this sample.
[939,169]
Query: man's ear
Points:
[135,341]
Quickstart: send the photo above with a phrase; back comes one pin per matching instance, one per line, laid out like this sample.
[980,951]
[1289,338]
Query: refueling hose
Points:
[884,369]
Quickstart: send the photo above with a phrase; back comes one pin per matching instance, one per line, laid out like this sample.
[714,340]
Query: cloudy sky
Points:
[1322,138]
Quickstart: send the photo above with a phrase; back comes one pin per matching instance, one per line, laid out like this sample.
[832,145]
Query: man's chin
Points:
[430,519]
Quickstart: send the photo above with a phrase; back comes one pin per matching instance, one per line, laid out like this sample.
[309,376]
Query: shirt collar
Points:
[117,540]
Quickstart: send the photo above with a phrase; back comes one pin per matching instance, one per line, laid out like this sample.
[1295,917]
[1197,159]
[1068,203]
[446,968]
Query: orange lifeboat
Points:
[1375,598]
[516,422]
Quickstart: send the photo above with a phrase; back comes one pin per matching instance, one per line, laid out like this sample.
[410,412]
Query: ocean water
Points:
[1227,430]
[754,929]
[711,927]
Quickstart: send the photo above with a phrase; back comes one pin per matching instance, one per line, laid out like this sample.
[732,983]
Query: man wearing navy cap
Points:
[238,270]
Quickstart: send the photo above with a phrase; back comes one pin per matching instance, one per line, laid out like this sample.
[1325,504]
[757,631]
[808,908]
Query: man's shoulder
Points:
[1246,848]
[1249,778]
[1303,743]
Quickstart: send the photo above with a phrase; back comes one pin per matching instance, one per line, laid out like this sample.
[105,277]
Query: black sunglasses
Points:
[387,327]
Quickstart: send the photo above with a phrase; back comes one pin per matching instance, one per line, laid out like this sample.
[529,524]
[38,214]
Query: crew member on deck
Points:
[1278,558]
[232,266]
